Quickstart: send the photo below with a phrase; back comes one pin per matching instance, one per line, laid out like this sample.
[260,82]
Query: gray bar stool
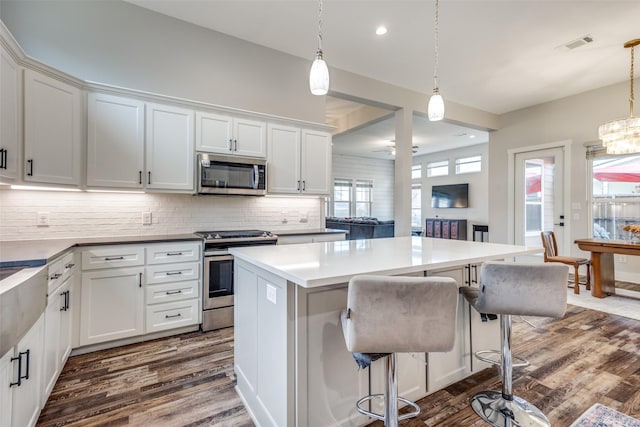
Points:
[508,289]
[388,315]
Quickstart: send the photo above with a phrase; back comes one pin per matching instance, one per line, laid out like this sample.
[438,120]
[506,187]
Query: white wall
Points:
[381,172]
[478,210]
[79,214]
[574,118]
[117,43]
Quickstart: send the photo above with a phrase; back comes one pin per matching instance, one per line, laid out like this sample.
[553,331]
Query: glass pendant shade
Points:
[621,136]
[319,76]
[435,110]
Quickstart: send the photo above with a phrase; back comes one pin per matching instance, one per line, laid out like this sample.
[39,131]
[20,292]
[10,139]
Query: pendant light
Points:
[319,74]
[623,136]
[435,109]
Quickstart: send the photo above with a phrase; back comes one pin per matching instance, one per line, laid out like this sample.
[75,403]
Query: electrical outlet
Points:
[271,293]
[622,259]
[285,214]
[146,218]
[42,219]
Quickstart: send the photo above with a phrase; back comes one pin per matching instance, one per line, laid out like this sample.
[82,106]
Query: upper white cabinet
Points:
[216,133]
[9,116]
[169,148]
[52,130]
[115,141]
[298,161]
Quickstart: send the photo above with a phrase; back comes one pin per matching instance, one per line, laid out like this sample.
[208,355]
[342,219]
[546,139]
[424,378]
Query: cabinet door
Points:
[115,141]
[447,368]
[484,335]
[213,133]
[249,138]
[169,148]
[9,116]
[112,305]
[7,376]
[283,159]
[52,130]
[51,362]
[27,396]
[66,320]
[316,162]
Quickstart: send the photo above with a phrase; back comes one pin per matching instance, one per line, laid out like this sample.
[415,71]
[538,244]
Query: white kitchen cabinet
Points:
[169,148]
[51,363]
[217,133]
[172,282]
[298,160]
[7,376]
[115,141]
[447,368]
[112,256]
[10,96]
[52,130]
[26,396]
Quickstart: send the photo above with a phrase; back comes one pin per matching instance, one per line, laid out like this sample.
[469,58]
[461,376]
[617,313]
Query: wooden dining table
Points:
[602,251]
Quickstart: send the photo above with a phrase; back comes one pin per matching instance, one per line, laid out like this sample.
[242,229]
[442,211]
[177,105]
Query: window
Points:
[533,202]
[352,197]
[342,198]
[416,196]
[438,168]
[363,197]
[469,164]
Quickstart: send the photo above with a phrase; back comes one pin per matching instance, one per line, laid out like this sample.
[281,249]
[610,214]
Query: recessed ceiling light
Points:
[381,30]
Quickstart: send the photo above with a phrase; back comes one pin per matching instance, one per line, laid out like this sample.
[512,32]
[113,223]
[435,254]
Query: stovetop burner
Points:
[234,234]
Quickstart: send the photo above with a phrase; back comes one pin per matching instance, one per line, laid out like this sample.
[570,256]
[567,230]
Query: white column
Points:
[402,185]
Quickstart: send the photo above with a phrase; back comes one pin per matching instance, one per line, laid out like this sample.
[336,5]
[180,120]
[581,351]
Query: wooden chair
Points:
[551,255]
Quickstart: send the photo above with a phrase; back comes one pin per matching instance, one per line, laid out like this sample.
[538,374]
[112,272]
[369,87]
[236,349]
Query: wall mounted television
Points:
[450,196]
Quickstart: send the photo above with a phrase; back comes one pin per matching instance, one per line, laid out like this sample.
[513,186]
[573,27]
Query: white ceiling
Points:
[497,56]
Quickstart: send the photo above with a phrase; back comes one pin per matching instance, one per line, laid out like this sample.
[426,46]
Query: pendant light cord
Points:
[631,96]
[435,66]
[320,26]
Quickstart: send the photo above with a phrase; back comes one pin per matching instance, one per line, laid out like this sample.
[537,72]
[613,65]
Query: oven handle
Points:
[224,257]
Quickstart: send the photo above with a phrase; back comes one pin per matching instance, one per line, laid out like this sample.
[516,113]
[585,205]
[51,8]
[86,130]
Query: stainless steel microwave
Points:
[231,175]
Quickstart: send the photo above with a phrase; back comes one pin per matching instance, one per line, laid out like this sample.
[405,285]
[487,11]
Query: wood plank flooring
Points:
[187,380]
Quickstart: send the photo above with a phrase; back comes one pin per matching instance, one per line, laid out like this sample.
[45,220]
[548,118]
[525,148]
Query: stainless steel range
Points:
[217,293]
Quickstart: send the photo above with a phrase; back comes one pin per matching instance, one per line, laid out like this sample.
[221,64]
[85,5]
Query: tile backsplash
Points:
[86,214]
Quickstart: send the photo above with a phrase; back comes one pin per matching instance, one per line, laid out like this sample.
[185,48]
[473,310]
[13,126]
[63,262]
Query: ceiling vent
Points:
[574,44]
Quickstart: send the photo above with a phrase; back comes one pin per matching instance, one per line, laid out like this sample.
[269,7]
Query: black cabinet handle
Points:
[231,145]
[139,177]
[19,382]
[298,185]
[174,253]
[113,258]
[179,291]
[173,273]
[467,275]
[304,185]
[235,145]
[149,178]
[166,316]
[139,280]
[3,158]
[28,355]
[30,162]
[70,265]
[65,306]
[475,274]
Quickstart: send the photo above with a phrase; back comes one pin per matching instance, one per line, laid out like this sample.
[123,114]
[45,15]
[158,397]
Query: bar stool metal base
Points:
[380,417]
[492,407]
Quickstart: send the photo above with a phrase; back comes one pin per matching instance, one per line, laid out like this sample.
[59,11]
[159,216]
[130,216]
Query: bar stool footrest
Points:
[415,412]
[480,356]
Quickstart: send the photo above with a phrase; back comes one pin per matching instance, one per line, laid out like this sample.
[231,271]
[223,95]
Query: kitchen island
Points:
[291,363]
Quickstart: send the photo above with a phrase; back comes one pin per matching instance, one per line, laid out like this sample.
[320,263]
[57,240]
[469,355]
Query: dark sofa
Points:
[362,227]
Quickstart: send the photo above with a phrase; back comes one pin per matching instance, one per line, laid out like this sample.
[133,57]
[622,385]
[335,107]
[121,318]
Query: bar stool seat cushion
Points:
[400,314]
[520,289]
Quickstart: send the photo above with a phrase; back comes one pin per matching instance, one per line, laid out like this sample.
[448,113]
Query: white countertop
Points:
[318,264]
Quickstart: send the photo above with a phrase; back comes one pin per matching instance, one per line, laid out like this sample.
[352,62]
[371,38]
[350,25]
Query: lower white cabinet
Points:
[21,373]
[310,238]
[172,315]
[111,307]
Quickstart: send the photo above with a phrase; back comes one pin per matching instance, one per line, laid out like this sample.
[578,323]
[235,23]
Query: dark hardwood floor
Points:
[187,380]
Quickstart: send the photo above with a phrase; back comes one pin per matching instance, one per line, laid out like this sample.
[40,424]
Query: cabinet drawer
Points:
[68,265]
[54,275]
[112,257]
[169,292]
[172,315]
[165,273]
[170,253]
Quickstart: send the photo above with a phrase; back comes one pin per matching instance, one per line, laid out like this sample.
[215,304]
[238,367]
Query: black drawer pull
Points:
[55,276]
[113,258]
[179,291]
[19,382]
[28,354]
[173,273]
[70,265]
[166,316]
[174,253]
[30,173]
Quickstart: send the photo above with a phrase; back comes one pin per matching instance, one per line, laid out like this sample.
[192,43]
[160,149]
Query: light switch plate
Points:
[271,293]
[42,219]
[146,218]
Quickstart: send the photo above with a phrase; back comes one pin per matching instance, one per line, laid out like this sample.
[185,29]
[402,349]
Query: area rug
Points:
[603,416]
[617,305]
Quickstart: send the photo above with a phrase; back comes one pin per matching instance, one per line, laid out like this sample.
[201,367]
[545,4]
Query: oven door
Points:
[218,281]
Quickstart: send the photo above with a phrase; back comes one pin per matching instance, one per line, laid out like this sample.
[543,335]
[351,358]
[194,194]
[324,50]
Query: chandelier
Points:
[623,136]
[319,74]
[435,110]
